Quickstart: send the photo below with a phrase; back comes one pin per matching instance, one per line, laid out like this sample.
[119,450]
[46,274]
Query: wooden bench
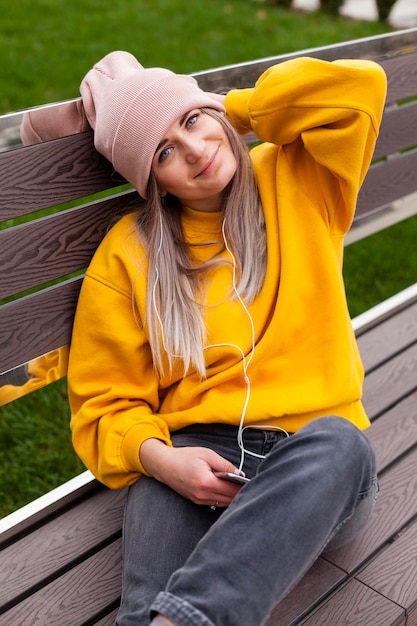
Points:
[60,560]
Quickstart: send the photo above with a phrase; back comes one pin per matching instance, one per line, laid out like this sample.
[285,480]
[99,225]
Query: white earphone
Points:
[246,360]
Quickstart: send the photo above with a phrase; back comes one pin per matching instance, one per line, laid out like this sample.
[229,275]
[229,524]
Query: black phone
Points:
[234,478]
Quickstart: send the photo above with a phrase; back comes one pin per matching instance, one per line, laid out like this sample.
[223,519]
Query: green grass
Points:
[46,47]
[35,446]
[381,265]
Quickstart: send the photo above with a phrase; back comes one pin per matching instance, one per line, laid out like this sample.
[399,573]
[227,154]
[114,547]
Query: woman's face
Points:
[195,161]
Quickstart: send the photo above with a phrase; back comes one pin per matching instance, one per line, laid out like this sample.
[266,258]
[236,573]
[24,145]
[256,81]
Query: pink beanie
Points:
[131,108]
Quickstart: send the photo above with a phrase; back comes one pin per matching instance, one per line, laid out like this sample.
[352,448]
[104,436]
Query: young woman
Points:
[212,333]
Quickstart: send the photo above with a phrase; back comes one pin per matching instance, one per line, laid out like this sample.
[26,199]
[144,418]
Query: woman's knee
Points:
[342,445]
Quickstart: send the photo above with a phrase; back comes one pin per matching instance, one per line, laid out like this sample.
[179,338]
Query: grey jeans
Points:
[229,567]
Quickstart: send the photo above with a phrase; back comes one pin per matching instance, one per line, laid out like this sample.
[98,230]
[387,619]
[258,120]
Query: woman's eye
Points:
[164,154]
[192,120]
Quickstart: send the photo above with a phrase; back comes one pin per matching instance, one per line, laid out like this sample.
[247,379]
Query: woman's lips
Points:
[209,165]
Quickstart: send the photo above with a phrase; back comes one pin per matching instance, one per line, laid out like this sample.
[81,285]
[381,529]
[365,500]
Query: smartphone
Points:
[234,478]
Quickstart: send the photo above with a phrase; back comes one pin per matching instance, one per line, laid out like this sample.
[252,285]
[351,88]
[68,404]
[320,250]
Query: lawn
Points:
[46,47]
[381,265]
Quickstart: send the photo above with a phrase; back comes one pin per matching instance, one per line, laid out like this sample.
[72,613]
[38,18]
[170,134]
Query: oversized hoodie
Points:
[318,123]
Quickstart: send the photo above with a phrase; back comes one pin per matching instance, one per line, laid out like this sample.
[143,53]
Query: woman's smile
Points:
[210,165]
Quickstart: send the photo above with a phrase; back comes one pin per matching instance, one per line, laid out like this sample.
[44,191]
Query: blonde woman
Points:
[212,340]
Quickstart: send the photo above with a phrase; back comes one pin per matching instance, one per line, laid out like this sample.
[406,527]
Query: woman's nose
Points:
[194,149]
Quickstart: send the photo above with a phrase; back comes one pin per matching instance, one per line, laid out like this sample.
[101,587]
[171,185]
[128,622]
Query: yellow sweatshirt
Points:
[319,122]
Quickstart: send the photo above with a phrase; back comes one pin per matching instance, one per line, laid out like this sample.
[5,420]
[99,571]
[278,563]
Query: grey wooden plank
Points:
[386,182]
[39,251]
[393,573]
[59,543]
[395,379]
[37,324]
[412,617]
[395,432]
[71,493]
[401,70]
[356,604]
[76,596]
[388,337]
[387,49]
[398,130]
[50,173]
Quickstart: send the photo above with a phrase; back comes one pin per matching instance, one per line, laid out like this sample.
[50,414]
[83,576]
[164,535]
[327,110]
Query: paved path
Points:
[403,13]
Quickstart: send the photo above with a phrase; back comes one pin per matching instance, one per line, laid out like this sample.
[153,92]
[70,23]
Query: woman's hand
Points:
[189,471]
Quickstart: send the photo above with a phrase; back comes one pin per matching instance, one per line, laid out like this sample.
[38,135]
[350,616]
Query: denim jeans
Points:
[229,567]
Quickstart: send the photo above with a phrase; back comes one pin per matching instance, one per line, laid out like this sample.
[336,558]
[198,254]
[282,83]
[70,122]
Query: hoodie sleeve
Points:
[113,388]
[325,115]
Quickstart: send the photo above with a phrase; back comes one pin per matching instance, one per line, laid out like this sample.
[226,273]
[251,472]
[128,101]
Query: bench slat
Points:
[51,247]
[397,378]
[51,504]
[394,573]
[357,604]
[66,539]
[383,341]
[386,182]
[389,49]
[401,72]
[37,324]
[394,433]
[47,174]
[398,130]
[74,597]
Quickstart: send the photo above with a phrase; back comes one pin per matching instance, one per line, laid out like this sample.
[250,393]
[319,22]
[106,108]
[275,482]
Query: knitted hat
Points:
[131,108]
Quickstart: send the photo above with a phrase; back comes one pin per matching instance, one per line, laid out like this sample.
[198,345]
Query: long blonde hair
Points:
[174,315]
